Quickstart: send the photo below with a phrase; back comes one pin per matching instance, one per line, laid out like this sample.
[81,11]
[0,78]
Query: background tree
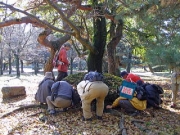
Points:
[141,21]
[66,21]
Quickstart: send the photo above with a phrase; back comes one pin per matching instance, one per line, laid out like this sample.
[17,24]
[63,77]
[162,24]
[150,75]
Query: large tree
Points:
[62,18]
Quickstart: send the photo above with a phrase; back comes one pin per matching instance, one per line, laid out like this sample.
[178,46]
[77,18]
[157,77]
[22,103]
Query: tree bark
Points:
[128,69]
[115,34]
[17,65]
[150,68]
[21,61]
[94,61]
[10,65]
[1,62]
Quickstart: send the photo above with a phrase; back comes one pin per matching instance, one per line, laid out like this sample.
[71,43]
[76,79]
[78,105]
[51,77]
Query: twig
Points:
[34,114]
[135,120]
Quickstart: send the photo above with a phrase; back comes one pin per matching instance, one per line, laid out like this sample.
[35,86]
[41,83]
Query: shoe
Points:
[99,117]
[88,119]
[52,112]
[64,109]
[173,106]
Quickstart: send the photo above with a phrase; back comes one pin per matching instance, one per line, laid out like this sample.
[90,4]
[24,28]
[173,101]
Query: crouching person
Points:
[132,107]
[89,91]
[61,96]
[44,88]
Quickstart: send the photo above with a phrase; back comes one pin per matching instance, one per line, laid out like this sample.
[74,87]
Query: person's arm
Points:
[115,103]
[80,88]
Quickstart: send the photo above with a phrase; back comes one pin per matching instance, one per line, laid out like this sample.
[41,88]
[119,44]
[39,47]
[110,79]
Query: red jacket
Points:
[133,78]
[63,58]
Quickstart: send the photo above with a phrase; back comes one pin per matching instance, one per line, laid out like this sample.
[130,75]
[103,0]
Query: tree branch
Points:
[34,19]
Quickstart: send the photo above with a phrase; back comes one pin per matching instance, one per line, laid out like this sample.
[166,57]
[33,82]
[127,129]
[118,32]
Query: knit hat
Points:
[123,73]
[49,75]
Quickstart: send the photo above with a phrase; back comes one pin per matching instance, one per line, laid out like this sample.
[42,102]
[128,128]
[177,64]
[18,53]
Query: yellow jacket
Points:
[138,104]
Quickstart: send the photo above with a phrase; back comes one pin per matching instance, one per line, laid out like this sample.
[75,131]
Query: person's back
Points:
[44,88]
[130,77]
[153,97]
[63,58]
[133,78]
[65,89]
[61,96]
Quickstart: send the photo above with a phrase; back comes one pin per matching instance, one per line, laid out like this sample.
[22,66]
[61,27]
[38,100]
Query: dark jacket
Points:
[44,90]
[153,97]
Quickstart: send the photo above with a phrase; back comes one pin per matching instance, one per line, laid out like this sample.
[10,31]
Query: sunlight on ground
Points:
[21,122]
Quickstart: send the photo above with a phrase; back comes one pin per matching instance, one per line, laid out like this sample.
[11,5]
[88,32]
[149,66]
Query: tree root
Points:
[21,108]
[138,123]
[121,126]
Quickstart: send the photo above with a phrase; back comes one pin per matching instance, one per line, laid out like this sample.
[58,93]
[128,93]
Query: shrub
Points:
[113,82]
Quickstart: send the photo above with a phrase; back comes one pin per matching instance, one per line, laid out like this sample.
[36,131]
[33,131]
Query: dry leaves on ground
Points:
[28,121]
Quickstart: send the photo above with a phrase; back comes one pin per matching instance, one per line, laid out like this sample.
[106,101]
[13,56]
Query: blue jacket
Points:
[62,88]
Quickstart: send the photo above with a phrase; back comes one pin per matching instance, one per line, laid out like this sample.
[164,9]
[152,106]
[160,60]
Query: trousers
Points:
[98,91]
[58,102]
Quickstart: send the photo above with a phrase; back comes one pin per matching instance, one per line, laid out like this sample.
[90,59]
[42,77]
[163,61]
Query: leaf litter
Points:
[27,121]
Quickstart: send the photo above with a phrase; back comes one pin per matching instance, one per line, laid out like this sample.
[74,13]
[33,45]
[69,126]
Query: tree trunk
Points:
[49,65]
[36,67]
[10,64]
[94,61]
[128,69]
[1,62]
[55,45]
[80,65]
[17,65]
[21,61]
[115,35]
[150,68]
[71,66]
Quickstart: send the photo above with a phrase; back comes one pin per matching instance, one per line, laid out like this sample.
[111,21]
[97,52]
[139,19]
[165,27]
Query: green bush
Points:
[113,82]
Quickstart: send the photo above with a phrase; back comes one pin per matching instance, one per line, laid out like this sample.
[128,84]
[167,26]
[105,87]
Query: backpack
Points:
[75,98]
[55,59]
[153,95]
[141,93]
[158,88]
[93,76]
[54,90]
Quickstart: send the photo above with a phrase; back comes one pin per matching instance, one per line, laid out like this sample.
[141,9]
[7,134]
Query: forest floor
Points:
[35,120]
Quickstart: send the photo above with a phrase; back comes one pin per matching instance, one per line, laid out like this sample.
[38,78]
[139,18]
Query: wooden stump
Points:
[12,91]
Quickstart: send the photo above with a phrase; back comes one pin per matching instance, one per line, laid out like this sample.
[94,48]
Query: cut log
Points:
[12,91]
